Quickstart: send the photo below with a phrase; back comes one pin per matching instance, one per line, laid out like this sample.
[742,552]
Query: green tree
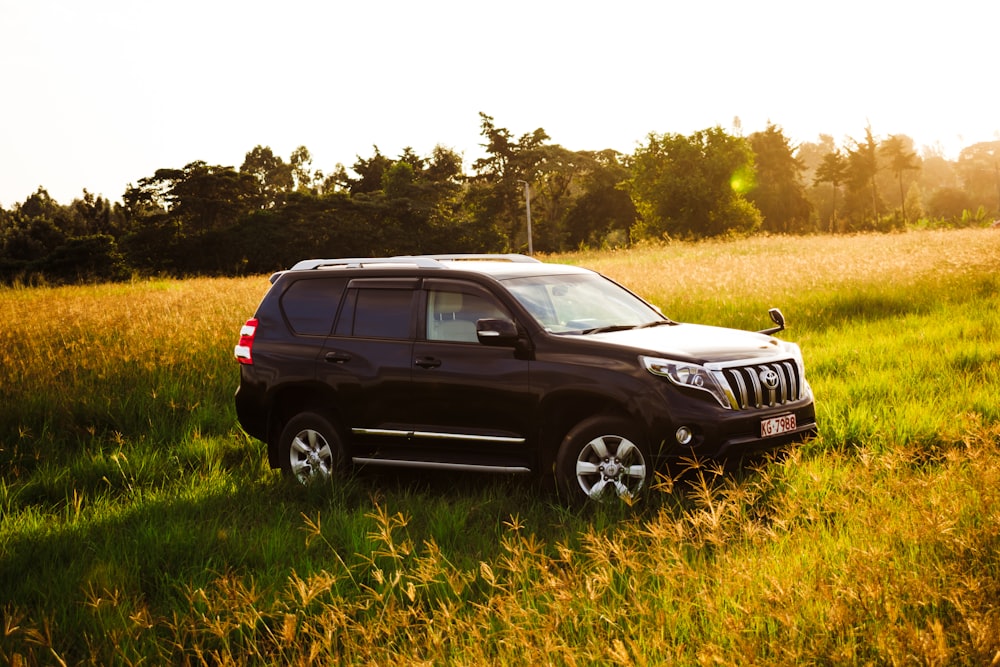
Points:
[272,177]
[897,152]
[693,187]
[832,170]
[603,214]
[92,215]
[30,240]
[979,167]
[203,197]
[811,153]
[779,194]
[862,170]
[369,174]
[495,199]
[303,178]
[948,203]
[39,205]
[556,182]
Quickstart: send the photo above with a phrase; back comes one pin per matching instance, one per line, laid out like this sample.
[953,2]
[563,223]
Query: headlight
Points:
[688,375]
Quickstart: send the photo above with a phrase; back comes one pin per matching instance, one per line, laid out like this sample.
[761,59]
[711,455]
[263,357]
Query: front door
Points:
[472,403]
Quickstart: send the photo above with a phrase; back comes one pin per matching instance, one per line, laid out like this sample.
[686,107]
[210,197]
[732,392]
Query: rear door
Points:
[369,358]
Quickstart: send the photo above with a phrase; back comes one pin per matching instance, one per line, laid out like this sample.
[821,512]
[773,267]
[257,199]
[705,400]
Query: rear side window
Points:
[383,313]
[311,305]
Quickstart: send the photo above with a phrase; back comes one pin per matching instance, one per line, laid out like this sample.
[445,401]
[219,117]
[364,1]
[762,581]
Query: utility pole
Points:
[527,208]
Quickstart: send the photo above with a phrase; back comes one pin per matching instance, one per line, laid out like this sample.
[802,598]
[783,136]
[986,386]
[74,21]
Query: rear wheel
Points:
[603,457]
[310,448]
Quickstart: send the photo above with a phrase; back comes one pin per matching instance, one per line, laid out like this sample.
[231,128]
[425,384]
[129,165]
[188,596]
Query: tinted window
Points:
[383,313]
[311,305]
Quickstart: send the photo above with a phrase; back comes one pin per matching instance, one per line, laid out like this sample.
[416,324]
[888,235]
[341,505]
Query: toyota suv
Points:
[503,363]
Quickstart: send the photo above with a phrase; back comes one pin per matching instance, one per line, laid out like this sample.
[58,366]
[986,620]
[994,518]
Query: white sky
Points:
[100,94]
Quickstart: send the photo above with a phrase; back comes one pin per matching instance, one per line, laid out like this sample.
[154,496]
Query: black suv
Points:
[503,363]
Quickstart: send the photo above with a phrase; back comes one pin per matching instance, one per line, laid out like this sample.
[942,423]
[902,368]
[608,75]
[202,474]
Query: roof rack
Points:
[489,257]
[420,261]
[359,262]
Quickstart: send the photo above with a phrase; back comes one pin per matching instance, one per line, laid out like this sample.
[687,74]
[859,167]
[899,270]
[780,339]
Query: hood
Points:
[696,342]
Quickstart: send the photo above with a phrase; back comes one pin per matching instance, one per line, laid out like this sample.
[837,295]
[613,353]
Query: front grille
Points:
[750,391]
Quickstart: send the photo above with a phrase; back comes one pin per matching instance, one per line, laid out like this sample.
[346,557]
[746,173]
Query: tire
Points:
[600,458]
[311,449]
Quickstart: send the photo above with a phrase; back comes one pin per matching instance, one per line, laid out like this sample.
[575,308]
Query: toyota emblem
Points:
[769,378]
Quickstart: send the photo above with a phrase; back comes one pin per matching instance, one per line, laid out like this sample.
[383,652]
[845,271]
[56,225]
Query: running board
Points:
[429,465]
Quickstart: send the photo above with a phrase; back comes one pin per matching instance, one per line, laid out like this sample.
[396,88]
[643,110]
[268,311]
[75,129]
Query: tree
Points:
[810,154]
[862,168]
[896,150]
[39,205]
[273,177]
[495,198]
[556,183]
[949,203]
[303,179]
[779,194]
[832,170]
[693,187]
[979,166]
[603,213]
[369,174]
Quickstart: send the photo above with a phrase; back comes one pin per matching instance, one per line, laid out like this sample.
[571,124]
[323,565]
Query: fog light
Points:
[684,435]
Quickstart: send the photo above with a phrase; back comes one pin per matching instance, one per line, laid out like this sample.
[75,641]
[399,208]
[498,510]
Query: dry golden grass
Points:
[780,266]
[133,529]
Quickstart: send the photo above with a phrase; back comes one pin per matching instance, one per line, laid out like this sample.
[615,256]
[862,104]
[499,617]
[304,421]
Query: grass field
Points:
[139,525]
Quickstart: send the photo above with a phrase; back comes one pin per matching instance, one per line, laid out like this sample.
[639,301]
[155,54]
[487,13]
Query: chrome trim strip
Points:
[380,431]
[427,465]
[430,435]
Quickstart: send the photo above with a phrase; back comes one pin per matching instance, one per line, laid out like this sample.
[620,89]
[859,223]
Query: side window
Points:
[452,315]
[383,313]
[311,305]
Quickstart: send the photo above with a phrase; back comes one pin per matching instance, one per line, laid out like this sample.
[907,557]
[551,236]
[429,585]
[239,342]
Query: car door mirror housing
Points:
[496,332]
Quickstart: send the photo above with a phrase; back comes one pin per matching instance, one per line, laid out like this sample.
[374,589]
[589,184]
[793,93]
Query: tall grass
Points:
[138,525]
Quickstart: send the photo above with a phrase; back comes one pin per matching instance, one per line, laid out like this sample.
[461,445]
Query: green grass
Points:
[139,525]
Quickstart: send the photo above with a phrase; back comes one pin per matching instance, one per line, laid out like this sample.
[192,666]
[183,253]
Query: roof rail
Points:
[358,262]
[420,261]
[488,257]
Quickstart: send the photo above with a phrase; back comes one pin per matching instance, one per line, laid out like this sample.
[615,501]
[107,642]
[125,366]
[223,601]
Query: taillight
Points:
[244,348]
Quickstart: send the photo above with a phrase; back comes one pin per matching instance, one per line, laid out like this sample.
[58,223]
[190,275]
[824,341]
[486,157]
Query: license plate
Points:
[777,425]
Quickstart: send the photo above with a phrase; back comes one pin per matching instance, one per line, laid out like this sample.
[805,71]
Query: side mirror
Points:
[778,319]
[496,332]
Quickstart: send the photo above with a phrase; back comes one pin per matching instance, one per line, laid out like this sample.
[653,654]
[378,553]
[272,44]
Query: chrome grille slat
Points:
[755,383]
[741,388]
[748,391]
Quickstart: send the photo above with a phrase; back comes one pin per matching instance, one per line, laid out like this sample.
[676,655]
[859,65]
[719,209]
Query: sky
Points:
[97,95]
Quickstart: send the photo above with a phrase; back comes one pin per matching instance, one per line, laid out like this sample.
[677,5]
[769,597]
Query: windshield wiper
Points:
[654,323]
[613,327]
[625,327]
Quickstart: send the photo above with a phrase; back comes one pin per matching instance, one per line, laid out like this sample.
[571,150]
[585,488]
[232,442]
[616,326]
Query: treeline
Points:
[206,219]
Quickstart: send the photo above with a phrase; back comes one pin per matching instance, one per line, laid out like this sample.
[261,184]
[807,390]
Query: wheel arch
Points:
[561,412]
[287,402]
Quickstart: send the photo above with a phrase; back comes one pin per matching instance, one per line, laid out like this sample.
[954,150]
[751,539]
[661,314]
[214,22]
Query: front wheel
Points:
[603,457]
[310,448]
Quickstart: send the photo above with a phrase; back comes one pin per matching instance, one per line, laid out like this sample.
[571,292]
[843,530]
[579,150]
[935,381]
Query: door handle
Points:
[337,357]
[428,362]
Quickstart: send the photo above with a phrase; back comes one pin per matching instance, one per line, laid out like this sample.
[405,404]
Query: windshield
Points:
[581,303]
